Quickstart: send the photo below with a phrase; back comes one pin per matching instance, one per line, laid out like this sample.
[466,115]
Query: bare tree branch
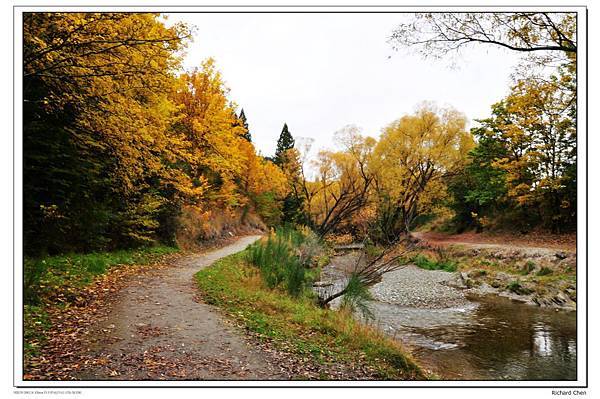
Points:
[438,34]
[372,271]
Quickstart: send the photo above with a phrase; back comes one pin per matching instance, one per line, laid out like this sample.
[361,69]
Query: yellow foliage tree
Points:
[342,186]
[210,128]
[96,82]
[409,163]
[263,185]
[536,127]
[217,155]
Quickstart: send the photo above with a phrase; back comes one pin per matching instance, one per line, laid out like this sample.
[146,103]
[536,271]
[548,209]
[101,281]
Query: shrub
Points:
[517,288]
[513,286]
[196,225]
[373,250]
[544,271]
[283,258]
[357,297]
[528,267]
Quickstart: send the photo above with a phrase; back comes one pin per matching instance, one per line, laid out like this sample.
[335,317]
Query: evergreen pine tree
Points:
[292,212]
[284,143]
[244,121]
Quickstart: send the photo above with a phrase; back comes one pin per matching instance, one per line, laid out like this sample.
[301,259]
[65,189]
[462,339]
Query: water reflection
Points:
[494,338]
[542,341]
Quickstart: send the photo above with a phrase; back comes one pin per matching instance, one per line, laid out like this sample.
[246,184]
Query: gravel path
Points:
[415,287]
[529,250]
[158,329]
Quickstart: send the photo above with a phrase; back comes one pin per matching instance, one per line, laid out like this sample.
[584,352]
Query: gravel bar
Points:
[419,288]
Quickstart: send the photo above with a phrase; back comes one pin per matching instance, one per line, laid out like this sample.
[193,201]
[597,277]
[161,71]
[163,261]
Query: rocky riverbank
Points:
[536,276]
[562,295]
[542,278]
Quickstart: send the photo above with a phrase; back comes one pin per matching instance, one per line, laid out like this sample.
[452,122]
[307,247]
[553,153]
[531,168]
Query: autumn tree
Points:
[98,156]
[412,158]
[263,184]
[342,185]
[220,154]
[535,153]
[523,170]
[208,122]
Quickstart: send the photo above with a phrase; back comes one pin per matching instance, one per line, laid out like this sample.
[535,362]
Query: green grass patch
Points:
[36,323]
[297,324]
[527,268]
[52,275]
[544,271]
[424,262]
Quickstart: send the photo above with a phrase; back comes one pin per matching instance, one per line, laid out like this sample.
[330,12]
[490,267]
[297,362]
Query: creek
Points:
[468,336]
[492,338]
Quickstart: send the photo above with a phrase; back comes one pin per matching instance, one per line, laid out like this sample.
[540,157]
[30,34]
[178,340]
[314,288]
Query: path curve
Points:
[158,329]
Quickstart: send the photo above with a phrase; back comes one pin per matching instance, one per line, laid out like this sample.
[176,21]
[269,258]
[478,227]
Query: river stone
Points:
[561,255]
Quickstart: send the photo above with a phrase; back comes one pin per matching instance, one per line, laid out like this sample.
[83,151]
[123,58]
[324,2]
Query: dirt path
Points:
[502,243]
[158,329]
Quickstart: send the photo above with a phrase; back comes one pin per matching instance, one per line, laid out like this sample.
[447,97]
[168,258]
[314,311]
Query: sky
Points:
[321,72]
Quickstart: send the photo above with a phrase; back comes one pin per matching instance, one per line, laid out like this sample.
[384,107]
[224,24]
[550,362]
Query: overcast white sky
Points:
[320,72]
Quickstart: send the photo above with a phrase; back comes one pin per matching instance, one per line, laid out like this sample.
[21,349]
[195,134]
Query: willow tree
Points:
[411,159]
[343,183]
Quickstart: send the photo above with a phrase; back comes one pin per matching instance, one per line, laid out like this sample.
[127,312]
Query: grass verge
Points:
[298,325]
[56,276]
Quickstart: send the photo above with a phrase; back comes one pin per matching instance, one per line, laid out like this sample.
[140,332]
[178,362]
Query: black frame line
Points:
[246,9]
[302,6]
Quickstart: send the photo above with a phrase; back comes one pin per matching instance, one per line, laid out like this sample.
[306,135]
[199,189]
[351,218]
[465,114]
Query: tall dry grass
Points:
[197,225]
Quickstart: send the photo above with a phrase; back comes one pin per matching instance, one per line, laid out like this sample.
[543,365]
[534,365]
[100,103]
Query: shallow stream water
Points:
[485,338]
[494,338]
